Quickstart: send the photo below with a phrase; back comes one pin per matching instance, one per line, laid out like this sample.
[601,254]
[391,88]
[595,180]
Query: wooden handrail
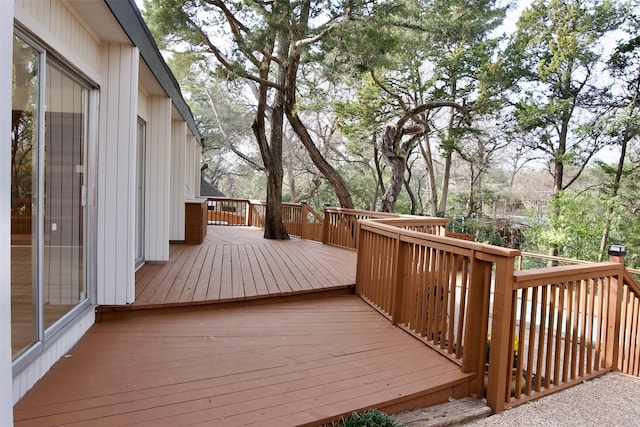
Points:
[540,276]
[631,282]
[340,226]
[236,211]
[549,328]
[629,354]
[555,260]
[525,333]
[435,287]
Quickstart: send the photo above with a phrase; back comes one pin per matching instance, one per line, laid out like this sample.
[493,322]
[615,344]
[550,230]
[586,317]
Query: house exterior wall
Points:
[178,168]
[192,171]
[112,66]
[197,166]
[158,152]
[6,380]
[24,380]
[143,105]
[116,179]
[62,29]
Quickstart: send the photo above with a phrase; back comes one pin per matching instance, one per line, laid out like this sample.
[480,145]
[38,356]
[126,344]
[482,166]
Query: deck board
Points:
[294,362]
[178,356]
[237,264]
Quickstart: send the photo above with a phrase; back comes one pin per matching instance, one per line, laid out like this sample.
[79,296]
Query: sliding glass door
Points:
[25,204]
[140,194]
[48,199]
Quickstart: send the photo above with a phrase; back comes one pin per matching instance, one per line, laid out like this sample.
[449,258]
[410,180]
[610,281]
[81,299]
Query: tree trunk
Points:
[397,162]
[329,172]
[558,177]
[274,226]
[379,181]
[614,195]
[425,149]
[446,176]
[397,165]
[332,175]
[396,152]
[292,181]
[271,149]
[412,196]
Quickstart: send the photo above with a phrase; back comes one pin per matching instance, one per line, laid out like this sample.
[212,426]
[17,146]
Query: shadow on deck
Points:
[302,360]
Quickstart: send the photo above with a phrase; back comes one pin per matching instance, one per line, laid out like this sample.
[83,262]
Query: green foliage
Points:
[626,205]
[360,118]
[168,21]
[554,61]
[575,228]
[372,39]
[423,51]
[483,229]
[370,418]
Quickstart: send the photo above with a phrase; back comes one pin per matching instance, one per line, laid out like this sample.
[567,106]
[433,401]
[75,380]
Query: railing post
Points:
[304,213]
[477,321]
[616,254]
[401,256]
[325,225]
[249,216]
[499,357]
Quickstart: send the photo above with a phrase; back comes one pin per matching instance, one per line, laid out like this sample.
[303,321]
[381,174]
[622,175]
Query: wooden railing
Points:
[629,356]
[299,218]
[562,329]
[340,226]
[435,287]
[525,333]
[224,211]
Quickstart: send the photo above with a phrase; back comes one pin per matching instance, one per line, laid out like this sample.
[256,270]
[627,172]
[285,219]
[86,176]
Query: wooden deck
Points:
[237,263]
[278,364]
[297,360]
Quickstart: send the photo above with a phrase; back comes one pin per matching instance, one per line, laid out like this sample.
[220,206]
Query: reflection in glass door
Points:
[64,283]
[140,170]
[48,195]
[25,204]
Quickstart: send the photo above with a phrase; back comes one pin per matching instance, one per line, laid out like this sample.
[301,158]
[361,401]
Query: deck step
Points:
[455,412]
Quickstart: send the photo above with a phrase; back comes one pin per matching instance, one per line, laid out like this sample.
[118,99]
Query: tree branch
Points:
[232,66]
[394,95]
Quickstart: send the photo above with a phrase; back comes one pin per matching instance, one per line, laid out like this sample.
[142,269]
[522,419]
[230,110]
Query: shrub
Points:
[370,418]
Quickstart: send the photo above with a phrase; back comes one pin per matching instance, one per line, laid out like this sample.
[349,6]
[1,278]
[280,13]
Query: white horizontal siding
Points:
[116,178]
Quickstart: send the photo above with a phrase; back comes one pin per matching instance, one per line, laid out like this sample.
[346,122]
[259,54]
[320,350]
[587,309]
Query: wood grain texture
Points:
[238,264]
[295,362]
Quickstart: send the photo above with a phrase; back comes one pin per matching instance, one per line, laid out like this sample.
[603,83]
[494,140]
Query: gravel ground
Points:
[610,400]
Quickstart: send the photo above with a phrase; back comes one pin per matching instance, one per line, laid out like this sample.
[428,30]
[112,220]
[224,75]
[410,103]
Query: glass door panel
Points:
[48,180]
[140,165]
[24,201]
[65,135]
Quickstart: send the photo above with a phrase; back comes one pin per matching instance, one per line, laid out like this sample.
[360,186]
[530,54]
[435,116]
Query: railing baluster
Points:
[541,340]
[576,322]
[531,361]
